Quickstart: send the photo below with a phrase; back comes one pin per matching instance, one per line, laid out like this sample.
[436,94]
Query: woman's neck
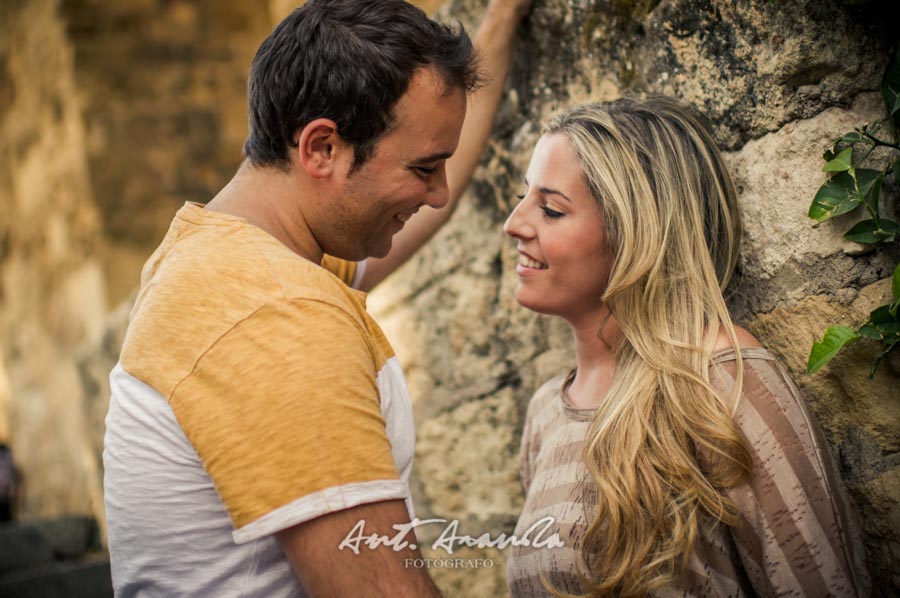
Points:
[595,340]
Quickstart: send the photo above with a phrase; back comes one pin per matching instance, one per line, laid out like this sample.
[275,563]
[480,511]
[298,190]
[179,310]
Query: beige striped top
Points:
[795,537]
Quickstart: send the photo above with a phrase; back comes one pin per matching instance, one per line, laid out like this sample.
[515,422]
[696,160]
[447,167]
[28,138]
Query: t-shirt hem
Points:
[321,503]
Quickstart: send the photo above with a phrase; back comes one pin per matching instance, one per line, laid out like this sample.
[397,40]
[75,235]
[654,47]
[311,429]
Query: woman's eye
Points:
[551,213]
[520,196]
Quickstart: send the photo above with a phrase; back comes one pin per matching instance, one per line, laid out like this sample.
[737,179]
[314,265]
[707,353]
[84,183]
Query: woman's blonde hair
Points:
[673,227]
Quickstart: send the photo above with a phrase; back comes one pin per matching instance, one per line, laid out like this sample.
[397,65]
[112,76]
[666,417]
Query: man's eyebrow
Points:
[432,157]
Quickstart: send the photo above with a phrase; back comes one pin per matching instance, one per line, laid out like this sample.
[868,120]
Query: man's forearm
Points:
[493,40]
[326,566]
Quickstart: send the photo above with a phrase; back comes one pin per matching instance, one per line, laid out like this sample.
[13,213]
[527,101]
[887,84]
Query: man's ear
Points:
[319,147]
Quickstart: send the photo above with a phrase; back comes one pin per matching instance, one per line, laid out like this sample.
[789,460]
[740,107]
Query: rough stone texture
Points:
[879,496]
[113,113]
[52,290]
[164,94]
[5,404]
[94,364]
[475,483]
[87,579]
[55,558]
[752,67]
[776,176]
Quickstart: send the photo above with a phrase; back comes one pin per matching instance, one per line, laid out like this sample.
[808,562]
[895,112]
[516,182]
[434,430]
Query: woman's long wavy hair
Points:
[673,227]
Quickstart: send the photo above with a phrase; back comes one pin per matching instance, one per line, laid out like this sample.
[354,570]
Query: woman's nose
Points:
[516,225]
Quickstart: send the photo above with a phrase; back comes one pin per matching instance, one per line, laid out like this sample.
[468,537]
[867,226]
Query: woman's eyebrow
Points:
[549,191]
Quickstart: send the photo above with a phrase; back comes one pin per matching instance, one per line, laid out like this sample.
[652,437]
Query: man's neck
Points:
[271,200]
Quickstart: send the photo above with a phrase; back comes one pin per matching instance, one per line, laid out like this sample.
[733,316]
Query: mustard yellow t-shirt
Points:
[253,393]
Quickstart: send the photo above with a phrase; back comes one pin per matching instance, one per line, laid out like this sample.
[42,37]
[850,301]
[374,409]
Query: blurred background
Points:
[113,113]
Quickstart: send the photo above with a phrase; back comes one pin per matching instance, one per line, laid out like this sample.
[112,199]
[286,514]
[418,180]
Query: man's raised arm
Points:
[493,40]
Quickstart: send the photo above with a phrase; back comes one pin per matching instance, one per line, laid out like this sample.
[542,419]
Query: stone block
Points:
[90,579]
[777,176]
[23,547]
[70,537]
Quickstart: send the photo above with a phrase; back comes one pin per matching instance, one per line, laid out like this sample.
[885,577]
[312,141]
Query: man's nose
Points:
[438,194]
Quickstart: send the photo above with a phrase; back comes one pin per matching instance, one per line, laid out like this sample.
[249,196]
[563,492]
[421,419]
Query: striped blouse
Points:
[795,537]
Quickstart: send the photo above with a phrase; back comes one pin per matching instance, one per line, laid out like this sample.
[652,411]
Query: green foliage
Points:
[851,187]
[836,337]
[895,286]
[890,91]
[837,196]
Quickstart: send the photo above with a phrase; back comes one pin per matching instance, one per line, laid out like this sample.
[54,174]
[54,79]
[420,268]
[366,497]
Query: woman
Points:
[677,458]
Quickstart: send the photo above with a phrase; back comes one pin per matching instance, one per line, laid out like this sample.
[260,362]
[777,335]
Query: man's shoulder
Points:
[206,283]
[235,269]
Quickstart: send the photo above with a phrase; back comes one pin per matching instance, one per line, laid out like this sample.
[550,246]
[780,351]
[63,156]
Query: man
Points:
[257,411]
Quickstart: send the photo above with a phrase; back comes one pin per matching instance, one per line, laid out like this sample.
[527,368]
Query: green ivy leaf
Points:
[884,326]
[843,161]
[890,84]
[853,137]
[890,90]
[869,183]
[867,179]
[884,321]
[868,231]
[837,196]
[895,168]
[835,338]
[887,348]
[870,332]
[895,288]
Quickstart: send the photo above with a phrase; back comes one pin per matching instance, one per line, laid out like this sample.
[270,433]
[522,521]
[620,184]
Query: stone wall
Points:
[52,288]
[113,113]
[164,104]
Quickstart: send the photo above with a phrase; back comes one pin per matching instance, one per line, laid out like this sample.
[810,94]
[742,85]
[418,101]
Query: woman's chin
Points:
[531,303]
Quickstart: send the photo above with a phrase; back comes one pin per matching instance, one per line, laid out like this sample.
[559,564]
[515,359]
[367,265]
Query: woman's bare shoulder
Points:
[745,339]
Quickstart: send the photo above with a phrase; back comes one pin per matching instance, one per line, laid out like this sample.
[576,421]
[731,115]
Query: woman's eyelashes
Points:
[547,210]
[551,213]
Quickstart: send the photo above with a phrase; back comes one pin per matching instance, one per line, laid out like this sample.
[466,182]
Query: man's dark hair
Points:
[349,61]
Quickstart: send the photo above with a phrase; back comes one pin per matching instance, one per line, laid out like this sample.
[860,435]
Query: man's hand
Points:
[325,570]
